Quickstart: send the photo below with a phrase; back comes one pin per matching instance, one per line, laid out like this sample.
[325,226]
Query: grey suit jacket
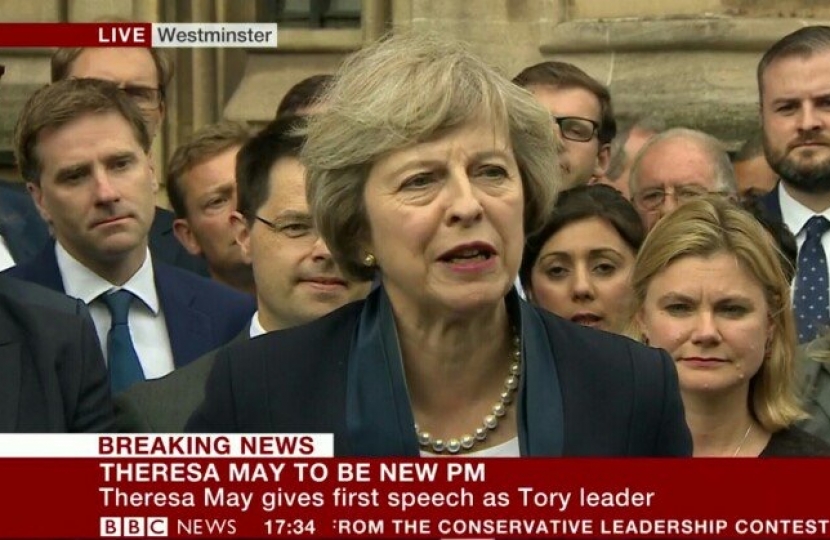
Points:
[164,405]
[815,385]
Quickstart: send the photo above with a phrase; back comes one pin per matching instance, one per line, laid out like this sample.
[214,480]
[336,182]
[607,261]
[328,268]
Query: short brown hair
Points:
[205,143]
[565,75]
[59,103]
[63,58]
[403,90]
[804,42]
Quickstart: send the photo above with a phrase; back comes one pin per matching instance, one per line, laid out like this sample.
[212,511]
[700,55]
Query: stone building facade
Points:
[690,62]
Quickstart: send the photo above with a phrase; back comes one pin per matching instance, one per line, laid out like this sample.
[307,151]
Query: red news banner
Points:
[135,34]
[288,486]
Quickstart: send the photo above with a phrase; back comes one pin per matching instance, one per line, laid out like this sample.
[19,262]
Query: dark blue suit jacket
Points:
[201,314]
[26,233]
[772,204]
[52,374]
[618,397]
[20,224]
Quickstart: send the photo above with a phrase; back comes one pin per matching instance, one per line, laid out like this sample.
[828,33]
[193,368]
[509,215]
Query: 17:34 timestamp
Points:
[290,527]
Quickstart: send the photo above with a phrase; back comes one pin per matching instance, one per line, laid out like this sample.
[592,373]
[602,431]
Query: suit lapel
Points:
[772,204]
[42,269]
[188,328]
[22,229]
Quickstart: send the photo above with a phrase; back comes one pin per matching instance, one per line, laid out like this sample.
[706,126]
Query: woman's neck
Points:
[722,425]
[458,365]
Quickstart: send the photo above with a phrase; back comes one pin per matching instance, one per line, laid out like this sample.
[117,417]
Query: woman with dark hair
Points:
[578,265]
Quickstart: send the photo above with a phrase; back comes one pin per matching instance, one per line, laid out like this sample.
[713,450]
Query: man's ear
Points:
[37,197]
[152,164]
[184,234]
[239,226]
[603,160]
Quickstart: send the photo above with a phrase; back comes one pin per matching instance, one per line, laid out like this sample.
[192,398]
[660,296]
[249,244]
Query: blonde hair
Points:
[712,225]
[401,91]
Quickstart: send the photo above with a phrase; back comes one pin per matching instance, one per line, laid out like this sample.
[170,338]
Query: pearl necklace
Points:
[491,421]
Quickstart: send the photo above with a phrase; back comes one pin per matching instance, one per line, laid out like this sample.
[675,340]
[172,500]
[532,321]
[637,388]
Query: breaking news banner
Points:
[290,486]
[248,35]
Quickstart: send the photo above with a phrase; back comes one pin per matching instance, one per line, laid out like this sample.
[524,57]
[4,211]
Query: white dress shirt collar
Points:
[256,326]
[793,213]
[82,283]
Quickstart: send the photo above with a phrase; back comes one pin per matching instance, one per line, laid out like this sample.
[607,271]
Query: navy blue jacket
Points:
[201,314]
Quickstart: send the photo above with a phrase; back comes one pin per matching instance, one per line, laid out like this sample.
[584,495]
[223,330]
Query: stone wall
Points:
[691,62]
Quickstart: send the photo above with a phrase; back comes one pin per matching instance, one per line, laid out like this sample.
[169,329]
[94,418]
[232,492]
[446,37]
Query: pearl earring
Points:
[369,260]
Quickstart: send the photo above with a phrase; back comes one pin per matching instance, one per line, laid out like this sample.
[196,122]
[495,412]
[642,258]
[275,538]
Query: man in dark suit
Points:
[143,75]
[83,146]
[52,374]
[297,280]
[22,229]
[793,82]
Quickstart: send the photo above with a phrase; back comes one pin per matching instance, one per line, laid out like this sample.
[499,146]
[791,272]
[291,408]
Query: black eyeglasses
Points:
[295,227]
[652,199]
[576,128]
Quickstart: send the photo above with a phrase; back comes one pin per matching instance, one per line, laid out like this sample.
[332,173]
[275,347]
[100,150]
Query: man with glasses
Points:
[582,111]
[144,76]
[296,278]
[677,166]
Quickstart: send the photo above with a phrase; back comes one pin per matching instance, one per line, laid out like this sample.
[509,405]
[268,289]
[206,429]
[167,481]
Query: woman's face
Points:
[582,274]
[446,220]
[711,315]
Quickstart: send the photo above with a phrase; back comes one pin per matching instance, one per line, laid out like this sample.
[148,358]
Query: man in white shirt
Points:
[82,147]
[144,75]
[794,91]
[296,277]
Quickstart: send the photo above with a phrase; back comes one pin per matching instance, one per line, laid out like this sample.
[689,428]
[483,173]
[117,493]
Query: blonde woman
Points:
[709,288]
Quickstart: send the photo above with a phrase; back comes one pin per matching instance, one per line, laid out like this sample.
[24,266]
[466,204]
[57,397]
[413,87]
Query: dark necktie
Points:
[812,313]
[124,367]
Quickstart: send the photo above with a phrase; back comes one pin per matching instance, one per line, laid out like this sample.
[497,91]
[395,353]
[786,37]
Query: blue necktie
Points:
[812,310]
[124,367]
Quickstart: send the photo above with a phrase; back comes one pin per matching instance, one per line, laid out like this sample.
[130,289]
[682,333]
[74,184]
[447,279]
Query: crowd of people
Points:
[424,257]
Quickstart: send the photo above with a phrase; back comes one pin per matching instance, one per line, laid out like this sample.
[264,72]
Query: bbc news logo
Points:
[133,526]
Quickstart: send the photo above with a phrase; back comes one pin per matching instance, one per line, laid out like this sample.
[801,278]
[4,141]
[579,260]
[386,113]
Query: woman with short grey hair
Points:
[427,168]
